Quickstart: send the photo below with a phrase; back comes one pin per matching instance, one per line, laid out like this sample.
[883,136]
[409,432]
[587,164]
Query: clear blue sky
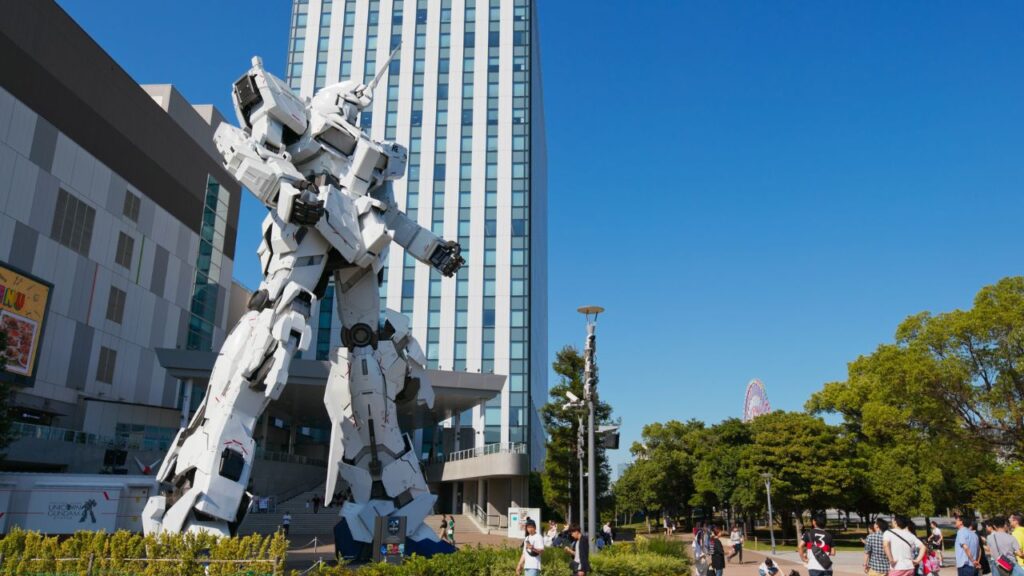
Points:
[752,189]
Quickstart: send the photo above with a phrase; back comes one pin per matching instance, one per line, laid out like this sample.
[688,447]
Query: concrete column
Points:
[186,401]
[293,432]
[456,507]
[481,504]
[457,426]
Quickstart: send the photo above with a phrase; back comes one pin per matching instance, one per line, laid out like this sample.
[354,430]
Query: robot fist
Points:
[306,208]
[446,258]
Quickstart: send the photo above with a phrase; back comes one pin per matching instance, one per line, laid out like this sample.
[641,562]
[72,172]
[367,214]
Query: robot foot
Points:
[361,518]
[181,517]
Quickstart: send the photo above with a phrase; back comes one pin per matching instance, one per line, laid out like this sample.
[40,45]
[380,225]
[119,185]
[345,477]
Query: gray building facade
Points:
[113,194]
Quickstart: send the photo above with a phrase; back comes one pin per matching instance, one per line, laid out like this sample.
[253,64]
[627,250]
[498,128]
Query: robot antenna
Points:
[384,68]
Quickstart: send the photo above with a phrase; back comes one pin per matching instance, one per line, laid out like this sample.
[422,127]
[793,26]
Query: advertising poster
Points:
[517,521]
[24,302]
[66,509]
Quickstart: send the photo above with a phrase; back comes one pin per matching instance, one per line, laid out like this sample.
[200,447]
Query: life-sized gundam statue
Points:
[331,212]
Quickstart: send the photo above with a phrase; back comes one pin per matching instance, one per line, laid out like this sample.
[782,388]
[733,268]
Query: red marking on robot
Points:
[105,495]
[239,444]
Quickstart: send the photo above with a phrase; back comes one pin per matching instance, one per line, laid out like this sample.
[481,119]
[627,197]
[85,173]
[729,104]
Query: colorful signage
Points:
[24,302]
[517,518]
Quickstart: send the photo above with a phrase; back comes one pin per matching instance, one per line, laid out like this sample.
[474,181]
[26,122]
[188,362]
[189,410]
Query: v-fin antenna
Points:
[384,68]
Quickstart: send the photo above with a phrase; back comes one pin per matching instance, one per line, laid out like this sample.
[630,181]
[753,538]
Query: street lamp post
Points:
[579,458]
[768,490]
[589,385]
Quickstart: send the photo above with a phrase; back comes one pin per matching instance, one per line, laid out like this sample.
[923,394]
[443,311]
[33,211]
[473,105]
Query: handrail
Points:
[498,448]
[21,430]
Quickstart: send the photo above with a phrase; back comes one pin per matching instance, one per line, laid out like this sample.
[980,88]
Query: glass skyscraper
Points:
[464,96]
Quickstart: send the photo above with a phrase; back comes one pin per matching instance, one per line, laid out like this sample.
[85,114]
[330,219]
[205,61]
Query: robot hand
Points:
[446,258]
[306,209]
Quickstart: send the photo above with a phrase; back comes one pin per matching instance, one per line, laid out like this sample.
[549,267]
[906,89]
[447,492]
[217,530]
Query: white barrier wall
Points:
[67,503]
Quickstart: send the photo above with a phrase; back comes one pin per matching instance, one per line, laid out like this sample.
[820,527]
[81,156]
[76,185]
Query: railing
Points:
[499,448]
[20,430]
[483,517]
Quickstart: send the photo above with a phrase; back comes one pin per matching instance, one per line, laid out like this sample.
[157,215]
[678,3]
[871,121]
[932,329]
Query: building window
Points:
[72,223]
[105,368]
[125,250]
[131,206]
[115,305]
[208,263]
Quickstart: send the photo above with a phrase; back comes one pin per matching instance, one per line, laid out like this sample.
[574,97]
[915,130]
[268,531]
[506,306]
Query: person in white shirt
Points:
[533,546]
[902,548]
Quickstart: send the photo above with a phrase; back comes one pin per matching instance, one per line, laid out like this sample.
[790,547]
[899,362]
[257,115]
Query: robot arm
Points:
[270,177]
[420,243]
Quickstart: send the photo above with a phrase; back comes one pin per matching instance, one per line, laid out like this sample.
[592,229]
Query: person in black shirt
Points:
[580,552]
[815,548]
[717,551]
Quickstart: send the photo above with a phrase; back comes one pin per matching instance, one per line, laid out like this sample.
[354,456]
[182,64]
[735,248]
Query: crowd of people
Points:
[994,547]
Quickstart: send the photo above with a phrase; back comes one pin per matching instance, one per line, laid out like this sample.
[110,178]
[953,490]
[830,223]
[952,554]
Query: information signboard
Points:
[24,303]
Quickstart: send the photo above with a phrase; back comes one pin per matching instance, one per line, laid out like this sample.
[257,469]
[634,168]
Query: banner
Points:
[24,302]
[67,509]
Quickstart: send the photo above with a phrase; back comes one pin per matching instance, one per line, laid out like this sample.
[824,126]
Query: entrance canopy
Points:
[454,392]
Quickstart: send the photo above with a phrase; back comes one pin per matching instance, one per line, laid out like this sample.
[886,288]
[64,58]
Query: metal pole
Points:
[768,489]
[579,459]
[591,452]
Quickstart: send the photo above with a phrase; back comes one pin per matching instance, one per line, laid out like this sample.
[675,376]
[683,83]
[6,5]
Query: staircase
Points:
[463,526]
[304,521]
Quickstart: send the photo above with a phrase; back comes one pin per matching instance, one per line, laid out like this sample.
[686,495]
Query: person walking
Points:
[736,538]
[580,552]
[1003,549]
[967,548]
[815,548]
[444,528]
[717,551]
[903,550]
[286,523]
[533,546]
[316,504]
[935,540]
[875,561]
[451,529]
[1017,531]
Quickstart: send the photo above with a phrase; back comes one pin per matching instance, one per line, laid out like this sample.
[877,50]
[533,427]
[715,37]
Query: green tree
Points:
[638,489]
[719,458]
[561,467]
[1000,491]
[811,464]
[940,406]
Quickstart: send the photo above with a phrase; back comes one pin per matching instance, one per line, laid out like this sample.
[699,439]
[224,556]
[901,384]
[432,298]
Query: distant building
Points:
[464,96]
[113,196]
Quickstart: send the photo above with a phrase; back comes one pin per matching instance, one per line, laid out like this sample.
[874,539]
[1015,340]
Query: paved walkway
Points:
[844,563]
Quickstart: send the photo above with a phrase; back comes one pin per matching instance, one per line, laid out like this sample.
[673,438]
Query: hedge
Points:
[128,554]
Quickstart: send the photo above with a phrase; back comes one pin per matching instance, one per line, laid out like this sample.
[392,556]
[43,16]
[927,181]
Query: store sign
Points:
[24,302]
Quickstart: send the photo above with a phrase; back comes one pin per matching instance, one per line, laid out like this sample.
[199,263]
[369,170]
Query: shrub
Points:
[133,554]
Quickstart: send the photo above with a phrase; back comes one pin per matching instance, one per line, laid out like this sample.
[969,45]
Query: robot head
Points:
[347,98]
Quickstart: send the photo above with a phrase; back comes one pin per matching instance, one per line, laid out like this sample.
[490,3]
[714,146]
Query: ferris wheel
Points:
[756,402]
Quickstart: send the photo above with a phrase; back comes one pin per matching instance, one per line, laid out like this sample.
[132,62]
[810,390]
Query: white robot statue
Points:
[331,212]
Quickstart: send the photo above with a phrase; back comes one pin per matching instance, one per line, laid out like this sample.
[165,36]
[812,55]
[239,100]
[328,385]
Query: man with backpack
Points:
[815,548]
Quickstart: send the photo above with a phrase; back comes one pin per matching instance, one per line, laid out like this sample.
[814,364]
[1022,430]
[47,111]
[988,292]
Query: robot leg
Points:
[204,476]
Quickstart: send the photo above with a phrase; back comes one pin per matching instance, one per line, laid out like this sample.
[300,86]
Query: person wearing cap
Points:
[533,546]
